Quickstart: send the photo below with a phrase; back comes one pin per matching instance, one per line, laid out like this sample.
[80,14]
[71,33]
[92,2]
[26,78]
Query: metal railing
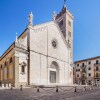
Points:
[60,89]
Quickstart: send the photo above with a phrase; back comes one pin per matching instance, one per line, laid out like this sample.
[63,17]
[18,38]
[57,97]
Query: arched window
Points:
[1,66]
[11,60]
[5,63]
[23,69]
[23,65]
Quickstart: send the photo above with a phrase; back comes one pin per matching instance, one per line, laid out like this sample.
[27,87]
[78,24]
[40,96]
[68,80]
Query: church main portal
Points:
[54,72]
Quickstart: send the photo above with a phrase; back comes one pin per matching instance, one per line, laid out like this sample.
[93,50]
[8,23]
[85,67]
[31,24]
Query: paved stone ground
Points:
[65,93]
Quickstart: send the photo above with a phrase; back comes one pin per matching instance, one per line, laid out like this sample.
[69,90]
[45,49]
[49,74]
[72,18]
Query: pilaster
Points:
[16,69]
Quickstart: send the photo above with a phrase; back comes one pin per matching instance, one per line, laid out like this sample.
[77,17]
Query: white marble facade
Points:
[43,54]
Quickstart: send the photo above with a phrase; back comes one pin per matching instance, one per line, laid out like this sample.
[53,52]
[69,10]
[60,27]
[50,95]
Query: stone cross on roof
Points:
[30,17]
[54,15]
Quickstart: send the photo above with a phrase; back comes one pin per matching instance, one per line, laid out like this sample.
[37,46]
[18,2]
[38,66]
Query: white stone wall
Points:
[38,68]
[38,40]
[61,52]
[23,41]
[22,76]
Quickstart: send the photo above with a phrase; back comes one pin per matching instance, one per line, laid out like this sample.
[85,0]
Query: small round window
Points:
[54,43]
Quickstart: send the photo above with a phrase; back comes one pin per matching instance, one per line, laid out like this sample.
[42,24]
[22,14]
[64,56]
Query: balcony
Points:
[97,77]
[83,77]
[83,70]
[97,70]
[83,66]
[77,70]
[97,64]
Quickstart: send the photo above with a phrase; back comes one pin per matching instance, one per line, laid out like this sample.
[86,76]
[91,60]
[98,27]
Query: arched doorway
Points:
[54,72]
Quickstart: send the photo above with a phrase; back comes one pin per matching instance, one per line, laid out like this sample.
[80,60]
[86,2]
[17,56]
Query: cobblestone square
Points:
[66,93]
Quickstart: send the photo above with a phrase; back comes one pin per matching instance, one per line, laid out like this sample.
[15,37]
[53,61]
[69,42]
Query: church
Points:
[42,54]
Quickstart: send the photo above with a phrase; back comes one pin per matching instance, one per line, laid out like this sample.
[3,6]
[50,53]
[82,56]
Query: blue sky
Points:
[14,18]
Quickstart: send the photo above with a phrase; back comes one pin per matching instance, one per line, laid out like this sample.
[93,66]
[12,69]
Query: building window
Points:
[11,60]
[69,33]
[77,65]
[97,80]
[1,66]
[97,75]
[69,23]
[89,74]
[82,64]
[5,64]
[89,62]
[97,68]
[77,75]
[89,68]
[77,70]
[83,70]
[23,69]
[97,61]
[69,43]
